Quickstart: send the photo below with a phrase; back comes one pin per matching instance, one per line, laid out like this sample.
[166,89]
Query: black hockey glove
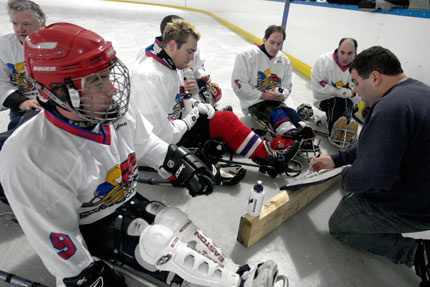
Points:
[97,274]
[189,170]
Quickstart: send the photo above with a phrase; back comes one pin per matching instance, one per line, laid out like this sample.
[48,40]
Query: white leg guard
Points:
[160,247]
[184,228]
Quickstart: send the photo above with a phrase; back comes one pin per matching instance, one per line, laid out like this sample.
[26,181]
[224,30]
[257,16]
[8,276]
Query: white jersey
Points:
[155,87]
[327,75]
[12,69]
[255,72]
[61,176]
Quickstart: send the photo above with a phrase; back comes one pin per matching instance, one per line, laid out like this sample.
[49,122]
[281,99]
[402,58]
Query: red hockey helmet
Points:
[78,71]
[216,92]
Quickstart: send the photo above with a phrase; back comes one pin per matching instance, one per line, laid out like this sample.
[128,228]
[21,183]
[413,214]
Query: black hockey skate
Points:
[280,161]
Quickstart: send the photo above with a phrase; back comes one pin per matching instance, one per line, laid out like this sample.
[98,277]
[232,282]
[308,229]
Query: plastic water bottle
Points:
[256,199]
[189,76]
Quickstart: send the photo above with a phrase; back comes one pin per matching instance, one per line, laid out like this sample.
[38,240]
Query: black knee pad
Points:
[211,151]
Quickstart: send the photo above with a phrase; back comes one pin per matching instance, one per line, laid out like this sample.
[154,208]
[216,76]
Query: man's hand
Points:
[271,96]
[322,162]
[189,170]
[206,79]
[30,105]
[190,85]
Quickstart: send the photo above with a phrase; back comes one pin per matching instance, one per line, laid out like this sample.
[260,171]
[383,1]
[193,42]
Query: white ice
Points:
[302,246]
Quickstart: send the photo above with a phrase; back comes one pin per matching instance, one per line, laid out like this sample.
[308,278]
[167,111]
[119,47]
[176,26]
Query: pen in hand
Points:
[309,170]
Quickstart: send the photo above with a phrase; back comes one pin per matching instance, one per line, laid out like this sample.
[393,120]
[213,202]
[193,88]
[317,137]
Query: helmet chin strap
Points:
[86,124]
[75,99]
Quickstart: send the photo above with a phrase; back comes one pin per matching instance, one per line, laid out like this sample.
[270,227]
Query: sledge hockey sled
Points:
[308,147]
[135,278]
[347,138]
[15,280]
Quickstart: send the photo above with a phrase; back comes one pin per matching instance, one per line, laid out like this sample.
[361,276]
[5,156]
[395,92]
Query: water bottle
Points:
[256,199]
[189,76]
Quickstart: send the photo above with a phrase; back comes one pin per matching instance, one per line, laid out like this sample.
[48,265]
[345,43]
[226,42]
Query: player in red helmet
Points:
[73,186]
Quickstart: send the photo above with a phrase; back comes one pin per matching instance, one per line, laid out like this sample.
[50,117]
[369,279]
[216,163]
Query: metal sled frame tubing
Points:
[18,281]
[267,127]
[140,277]
[294,161]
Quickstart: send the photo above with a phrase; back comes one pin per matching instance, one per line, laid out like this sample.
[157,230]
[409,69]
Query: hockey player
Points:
[332,90]
[15,93]
[73,187]
[261,79]
[197,81]
[386,171]
[157,88]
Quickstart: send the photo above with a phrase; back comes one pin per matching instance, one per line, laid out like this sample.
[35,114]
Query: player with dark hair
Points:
[261,79]
[82,200]
[386,172]
[332,90]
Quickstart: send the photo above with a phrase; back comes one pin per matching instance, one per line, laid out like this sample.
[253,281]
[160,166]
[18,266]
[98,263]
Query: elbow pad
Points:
[14,100]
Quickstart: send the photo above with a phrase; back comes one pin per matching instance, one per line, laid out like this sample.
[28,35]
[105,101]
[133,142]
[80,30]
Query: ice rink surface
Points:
[302,246]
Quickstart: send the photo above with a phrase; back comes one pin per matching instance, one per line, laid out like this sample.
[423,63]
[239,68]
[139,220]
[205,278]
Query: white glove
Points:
[344,93]
[191,118]
[206,109]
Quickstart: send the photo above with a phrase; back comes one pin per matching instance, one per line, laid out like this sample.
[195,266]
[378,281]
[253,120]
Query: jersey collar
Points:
[263,49]
[343,68]
[156,52]
[103,138]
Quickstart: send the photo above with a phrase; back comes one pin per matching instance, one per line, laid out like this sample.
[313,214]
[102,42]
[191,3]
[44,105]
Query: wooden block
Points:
[277,210]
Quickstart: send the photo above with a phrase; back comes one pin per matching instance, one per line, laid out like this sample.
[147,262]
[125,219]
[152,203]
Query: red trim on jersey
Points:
[281,121]
[102,138]
[323,83]
[149,54]
[338,63]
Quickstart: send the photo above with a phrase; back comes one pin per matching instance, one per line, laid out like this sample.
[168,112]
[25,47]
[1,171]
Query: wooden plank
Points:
[277,210]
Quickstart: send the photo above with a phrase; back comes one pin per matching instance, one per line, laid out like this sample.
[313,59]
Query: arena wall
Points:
[314,28]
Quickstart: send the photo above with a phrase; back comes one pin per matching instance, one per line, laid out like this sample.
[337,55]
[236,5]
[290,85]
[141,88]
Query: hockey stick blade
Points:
[152,181]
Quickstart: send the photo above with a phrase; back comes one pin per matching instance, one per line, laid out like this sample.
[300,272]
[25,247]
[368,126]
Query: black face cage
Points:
[104,96]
